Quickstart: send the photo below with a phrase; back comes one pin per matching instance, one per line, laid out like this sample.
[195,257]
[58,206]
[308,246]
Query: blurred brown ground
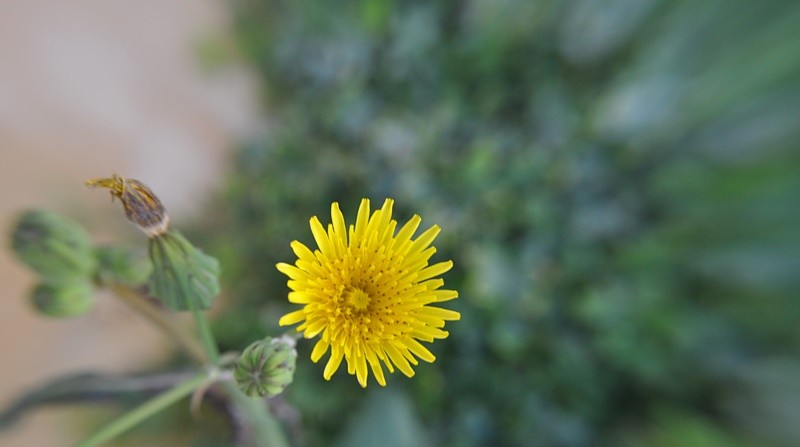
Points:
[87,88]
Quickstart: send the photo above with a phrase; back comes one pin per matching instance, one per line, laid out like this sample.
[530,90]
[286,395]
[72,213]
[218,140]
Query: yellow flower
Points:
[368,292]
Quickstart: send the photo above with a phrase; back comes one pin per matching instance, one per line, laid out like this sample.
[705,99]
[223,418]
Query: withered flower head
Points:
[142,206]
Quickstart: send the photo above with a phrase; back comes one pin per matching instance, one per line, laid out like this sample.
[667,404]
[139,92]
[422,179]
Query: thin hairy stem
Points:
[186,341]
[137,415]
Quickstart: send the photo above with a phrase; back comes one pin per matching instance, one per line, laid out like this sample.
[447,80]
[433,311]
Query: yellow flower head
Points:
[368,292]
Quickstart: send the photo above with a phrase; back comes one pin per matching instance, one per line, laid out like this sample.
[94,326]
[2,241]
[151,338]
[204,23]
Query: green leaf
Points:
[88,387]
[386,419]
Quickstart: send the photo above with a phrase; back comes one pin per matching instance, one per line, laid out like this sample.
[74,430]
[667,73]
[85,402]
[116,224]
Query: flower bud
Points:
[63,299]
[266,367]
[58,249]
[120,265]
[184,277]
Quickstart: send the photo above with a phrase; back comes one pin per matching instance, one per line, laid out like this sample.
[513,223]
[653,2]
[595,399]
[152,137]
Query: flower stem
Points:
[143,411]
[138,303]
[266,432]
[206,336]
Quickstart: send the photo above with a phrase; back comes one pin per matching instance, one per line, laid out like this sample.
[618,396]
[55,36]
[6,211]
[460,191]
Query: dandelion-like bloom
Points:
[368,292]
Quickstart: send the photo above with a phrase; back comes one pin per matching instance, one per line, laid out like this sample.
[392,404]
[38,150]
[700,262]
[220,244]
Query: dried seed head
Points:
[142,206]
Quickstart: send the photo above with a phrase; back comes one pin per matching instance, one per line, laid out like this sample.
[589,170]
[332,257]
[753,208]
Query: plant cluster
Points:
[617,181]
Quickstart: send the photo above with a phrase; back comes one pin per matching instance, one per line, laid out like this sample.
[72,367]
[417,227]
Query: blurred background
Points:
[89,88]
[617,183]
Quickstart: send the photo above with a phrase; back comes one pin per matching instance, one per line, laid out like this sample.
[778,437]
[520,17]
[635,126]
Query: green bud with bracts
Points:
[266,367]
[55,247]
[183,277]
[66,299]
[122,265]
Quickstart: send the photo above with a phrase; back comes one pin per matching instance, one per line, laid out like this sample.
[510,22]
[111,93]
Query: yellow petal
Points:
[434,270]
[429,320]
[361,371]
[319,350]
[315,327]
[407,230]
[333,363]
[296,285]
[428,333]
[399,360]
[361,223]
[375,365]
[299,298]
[321,237]
[419,350]
[339,228]
[302,252]
[444,314]
[445,295]
[402,349]
[292,318]
[386,234]
[386,361]
[385,213]
[291,271]
[424,239]
[420,257]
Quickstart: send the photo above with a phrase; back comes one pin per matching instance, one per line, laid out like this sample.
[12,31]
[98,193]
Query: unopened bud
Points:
[184,278]
[57,248]
[63,299]
[266,367]
[121,265]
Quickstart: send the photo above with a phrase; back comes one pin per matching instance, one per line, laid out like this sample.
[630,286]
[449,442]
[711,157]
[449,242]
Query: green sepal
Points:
[183,277]
[56,248]
[68,299]
[122,265]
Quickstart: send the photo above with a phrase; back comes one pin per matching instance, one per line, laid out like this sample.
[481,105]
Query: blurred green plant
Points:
[619,185]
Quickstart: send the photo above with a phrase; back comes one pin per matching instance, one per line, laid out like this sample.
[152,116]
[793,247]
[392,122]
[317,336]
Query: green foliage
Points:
[616,183]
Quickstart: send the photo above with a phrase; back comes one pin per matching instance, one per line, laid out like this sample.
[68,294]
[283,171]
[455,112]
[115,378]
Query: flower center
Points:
[356,298]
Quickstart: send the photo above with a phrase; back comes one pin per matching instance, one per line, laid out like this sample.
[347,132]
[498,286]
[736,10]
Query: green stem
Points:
[138,303]
[143,411]
[206,336]
[267,432]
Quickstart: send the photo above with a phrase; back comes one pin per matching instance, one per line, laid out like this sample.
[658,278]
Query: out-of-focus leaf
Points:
[386,418]
[89,387]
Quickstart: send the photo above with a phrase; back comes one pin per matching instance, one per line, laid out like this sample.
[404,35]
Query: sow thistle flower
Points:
[369,292]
